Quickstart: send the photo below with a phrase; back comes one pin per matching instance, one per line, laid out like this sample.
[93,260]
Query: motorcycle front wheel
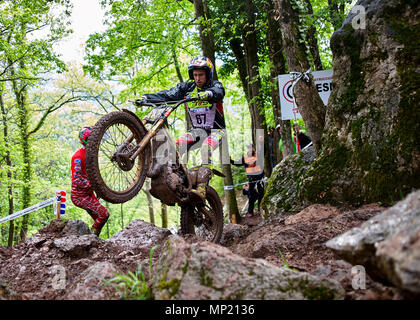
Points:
[112,175]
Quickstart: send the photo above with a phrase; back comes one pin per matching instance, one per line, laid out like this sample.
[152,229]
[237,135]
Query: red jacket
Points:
[80,184]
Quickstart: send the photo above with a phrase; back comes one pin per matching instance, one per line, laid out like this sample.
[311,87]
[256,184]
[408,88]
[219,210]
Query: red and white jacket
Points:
[80,185]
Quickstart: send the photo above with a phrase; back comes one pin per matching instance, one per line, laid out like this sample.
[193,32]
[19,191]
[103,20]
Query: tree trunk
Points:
[278,66]
[149,202]
[306,95]
[336,11]
[256,104]
[181,79]
[9,172]
[164,215]
[20,91]
[311,39]
[207,44]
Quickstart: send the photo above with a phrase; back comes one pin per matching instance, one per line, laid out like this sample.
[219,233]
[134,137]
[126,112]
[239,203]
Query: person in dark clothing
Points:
[206,114]
[271,146]
[255,175]
[303,139]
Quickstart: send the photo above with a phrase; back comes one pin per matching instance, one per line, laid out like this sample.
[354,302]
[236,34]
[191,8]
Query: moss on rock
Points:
[370,149]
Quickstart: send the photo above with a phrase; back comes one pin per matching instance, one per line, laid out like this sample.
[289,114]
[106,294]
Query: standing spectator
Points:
[302,139]
[255,175]
[271,146]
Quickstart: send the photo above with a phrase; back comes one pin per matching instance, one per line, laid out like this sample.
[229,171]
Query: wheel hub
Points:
[123,158]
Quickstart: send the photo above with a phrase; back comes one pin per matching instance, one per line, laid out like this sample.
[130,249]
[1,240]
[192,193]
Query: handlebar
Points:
[155,104]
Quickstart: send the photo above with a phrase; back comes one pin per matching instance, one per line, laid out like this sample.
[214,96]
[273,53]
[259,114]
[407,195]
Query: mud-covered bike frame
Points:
[121,154]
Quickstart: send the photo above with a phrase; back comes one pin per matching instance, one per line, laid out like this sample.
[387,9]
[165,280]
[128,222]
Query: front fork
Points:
[144,142]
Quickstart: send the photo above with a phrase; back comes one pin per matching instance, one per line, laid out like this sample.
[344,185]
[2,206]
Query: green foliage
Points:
[141,43]
[139,50]
[285,265]
[22,23]
[133,286]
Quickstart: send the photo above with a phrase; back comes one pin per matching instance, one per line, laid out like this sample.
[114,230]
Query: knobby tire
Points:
[93,171]
[187,216]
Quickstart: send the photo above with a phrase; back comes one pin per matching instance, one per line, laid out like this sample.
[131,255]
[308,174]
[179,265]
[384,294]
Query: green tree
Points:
[306,95]
[145,44]
[29,31]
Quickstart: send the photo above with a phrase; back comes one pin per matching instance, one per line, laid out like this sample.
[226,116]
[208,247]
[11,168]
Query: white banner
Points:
[28,210]
[322,81]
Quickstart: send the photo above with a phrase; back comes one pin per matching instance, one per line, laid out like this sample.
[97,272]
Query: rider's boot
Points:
[204,174]
[96,231]
[98,225]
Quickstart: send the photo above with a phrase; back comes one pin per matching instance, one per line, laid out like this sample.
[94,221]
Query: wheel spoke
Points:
[114,177]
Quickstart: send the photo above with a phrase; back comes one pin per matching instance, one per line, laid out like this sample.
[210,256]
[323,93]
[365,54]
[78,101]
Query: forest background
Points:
[144,47]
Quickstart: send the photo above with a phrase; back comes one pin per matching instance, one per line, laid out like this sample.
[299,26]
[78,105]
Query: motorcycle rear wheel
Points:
[205,223]
[116,181]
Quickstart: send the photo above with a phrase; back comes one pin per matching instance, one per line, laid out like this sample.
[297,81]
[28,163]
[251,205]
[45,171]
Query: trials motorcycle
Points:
[123,150]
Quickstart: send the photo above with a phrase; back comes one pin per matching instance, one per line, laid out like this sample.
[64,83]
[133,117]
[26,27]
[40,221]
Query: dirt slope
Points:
[32,270]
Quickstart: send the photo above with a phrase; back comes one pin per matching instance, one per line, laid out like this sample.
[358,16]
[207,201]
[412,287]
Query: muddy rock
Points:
[91,283]
[387,245]
[139,237]
[314,212]
[77,246]
[209,271]
[369,150]
[65,261]
[231,233]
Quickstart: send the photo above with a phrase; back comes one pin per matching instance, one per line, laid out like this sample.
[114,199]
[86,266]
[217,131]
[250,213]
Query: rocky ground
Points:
[65,261]
[300,239]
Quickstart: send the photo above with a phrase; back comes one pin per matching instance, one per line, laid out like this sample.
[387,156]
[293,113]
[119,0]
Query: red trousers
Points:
[208,141]
[92,205]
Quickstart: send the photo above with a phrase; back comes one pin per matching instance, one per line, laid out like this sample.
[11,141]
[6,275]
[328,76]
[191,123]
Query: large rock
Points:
[284,183]
[91,284]
[65,261]
[387,245]
[208,271]
[139,237]
[370,145]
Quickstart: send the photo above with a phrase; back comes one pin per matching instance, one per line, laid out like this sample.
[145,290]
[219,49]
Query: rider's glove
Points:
[140,102]
[205,95]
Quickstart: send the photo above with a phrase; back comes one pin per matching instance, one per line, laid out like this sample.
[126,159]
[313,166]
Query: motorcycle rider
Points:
[82,194]
[206,114]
